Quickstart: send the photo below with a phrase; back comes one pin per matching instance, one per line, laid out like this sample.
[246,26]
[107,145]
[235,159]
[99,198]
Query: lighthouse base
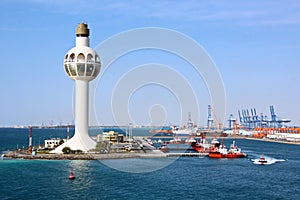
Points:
[77,142]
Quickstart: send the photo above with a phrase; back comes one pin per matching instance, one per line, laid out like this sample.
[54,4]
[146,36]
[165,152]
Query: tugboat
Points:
[71,176]
[222,152]
[203,146]
[198,147]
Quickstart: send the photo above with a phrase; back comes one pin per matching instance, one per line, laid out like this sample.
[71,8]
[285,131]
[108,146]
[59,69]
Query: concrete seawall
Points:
[14,155]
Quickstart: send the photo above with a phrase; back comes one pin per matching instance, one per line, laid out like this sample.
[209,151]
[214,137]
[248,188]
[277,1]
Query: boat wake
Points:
[266,161]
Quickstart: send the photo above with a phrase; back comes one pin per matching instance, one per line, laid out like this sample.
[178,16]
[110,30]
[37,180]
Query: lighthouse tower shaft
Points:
[82,64]
[81,107]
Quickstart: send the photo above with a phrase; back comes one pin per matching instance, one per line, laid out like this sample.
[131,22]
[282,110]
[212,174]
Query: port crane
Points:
[190,123]
[210,120]
[251,119]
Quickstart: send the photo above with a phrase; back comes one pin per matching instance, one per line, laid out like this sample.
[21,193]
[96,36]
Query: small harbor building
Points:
[54,142]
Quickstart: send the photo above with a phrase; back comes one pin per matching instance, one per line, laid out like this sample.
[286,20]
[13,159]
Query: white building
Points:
[110,136]
[54,142]
[239,132]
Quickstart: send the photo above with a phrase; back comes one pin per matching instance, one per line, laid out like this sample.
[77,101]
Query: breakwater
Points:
[87,156]
[13,155]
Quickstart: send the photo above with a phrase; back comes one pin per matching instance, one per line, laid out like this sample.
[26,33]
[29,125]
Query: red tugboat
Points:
[203,146]
[200,146]
[222,152]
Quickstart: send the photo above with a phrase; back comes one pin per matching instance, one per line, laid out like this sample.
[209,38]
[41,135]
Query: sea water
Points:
[182,178]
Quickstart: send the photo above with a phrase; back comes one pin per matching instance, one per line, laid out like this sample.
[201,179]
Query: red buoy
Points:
[71,177]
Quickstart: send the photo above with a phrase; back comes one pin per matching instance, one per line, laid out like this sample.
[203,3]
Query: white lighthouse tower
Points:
[81,64]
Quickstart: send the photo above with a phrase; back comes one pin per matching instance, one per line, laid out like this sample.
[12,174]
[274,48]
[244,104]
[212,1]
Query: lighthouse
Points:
[81,64]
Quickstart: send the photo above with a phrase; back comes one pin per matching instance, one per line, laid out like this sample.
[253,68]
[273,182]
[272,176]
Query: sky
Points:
[254,45]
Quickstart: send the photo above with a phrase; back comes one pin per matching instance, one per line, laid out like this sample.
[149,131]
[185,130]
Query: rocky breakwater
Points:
[84,156]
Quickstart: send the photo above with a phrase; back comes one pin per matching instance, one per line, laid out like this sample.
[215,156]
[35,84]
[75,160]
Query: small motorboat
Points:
[71,176]
[262,160]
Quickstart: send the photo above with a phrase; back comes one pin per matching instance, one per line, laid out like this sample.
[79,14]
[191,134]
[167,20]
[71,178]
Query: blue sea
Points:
[161,178]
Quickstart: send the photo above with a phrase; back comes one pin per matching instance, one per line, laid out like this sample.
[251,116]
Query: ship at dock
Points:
[163,131]
[185,131]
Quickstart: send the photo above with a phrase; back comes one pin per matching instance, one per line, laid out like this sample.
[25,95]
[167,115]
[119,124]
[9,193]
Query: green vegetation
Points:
[68,150]
[61,142]
[43,151]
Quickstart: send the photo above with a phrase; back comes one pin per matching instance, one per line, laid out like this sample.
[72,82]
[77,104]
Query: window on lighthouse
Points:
[67,70]
[72,57]
[80,58]
[89,69]
[72,68]
[97,70]
[89,58]
[80,64]
[97,59]
[80,69]
[66,58]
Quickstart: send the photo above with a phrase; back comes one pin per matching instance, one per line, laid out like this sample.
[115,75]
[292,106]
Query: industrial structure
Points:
[213,122]
[82,64]
[209,118]
[249,123]
[190,123]
[252,120]
[262,126]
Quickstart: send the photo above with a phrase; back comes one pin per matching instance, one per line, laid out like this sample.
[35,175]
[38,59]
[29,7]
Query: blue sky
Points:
[254,44]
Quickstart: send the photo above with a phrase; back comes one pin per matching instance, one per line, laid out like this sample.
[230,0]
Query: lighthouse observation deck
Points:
[82,63]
